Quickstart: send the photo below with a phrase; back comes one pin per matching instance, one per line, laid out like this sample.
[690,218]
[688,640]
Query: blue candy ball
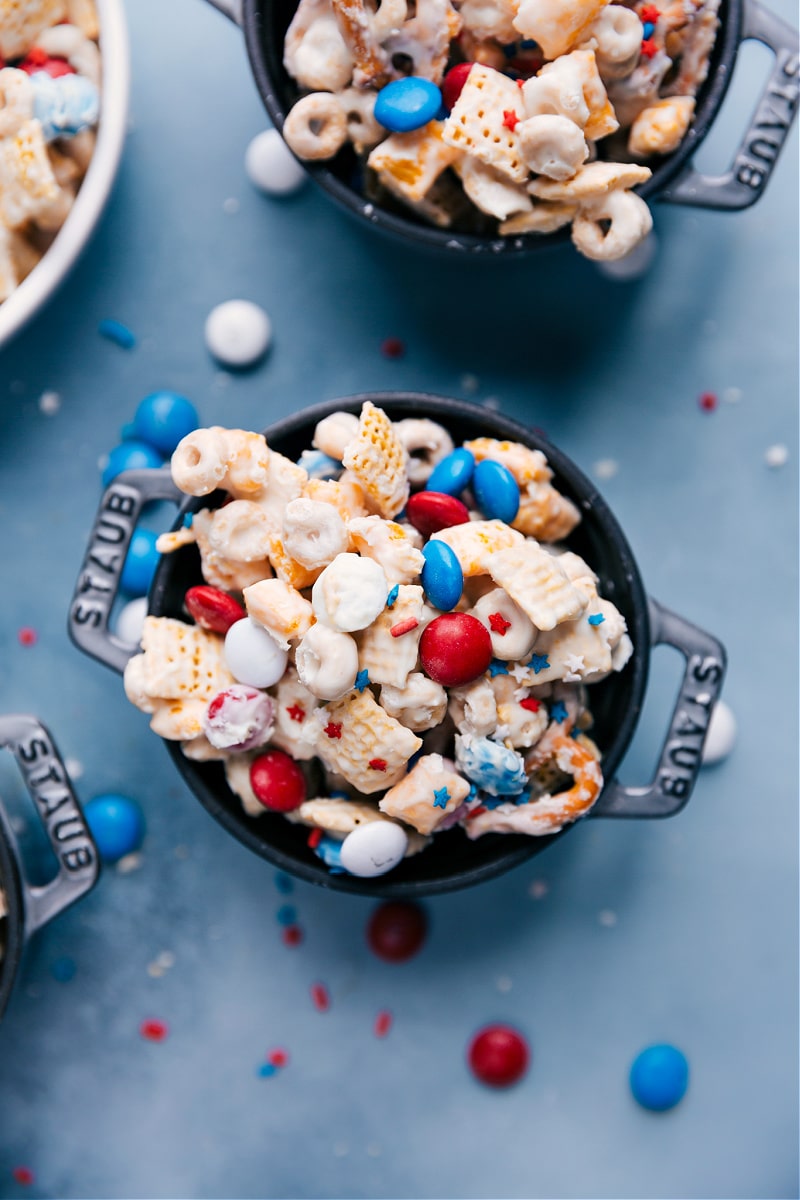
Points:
[442,578]
[452,474]
[406,104]
[116,824]
[130,456]
[496,491]
[140,563]
[659,1077]
[163,418]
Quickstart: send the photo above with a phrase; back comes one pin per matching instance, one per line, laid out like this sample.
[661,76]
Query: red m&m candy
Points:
[431,511]
[498,1055]
[396,930]
[212,609]
[453,82]
[277,781]
[455,649]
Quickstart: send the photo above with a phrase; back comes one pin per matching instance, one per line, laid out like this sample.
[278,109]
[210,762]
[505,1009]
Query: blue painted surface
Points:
[635,932]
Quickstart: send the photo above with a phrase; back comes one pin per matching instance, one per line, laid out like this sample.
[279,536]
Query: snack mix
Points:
[49,104]
[502,116]
[373,656]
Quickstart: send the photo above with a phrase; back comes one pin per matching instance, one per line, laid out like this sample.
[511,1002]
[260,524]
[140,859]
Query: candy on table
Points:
[721,735]
[140,563]
[271,167]
[498,1056]
[659,1077]
[117,825]
[131,455]
[163,419]
[130,621]
[238,333]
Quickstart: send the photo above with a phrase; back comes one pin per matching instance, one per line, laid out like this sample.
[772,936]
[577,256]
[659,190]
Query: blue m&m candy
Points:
[659,1077]
[452,474]
[406,104]
[140,563]
[130,456]
[116,824]
[442,578]
[163,418]
[496,491]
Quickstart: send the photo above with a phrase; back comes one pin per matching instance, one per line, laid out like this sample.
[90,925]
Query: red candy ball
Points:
[431,511]
[453,82]
[455,649]
[498,1056]
[277,781]
[396,931]
[212,609]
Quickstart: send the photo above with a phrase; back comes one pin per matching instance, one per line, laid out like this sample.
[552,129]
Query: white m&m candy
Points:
[271,166]
[238,333]
[253,656]
[373,849]
[721,736]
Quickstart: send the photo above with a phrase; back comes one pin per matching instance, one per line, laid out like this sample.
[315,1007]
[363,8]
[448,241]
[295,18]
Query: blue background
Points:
[682,931]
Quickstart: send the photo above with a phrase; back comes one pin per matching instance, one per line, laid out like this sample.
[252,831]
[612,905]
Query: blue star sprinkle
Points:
[440,797]
[496,667]
[392,597]
[539,662]
[362,680]
[558,711]
[596,619]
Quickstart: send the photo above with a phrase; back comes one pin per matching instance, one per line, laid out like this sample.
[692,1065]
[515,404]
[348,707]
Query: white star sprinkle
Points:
[574,664]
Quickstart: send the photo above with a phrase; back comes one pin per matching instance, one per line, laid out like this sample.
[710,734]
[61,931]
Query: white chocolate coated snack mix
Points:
[49,106]
[425,661]
[467,112]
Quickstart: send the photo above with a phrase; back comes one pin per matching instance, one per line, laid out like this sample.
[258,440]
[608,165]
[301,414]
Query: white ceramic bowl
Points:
[34,291]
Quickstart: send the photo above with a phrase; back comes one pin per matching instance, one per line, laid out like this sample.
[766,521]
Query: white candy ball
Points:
[374,848]
[721,737]
[238,332]
[634,265]
[130,621]
[253,656]
[271,166]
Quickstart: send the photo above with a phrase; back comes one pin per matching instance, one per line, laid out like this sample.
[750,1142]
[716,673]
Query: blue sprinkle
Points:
[115,331]
[648,30]
[265,1070]
[284,883]
[63,969]
[340,796]
[496,667]
[391,599]
[362,680]
[440,797]
[596,619]
[559,711]
[287,915]
[330,851]
[509,50]
[528,44]
[539,662]
[187,520]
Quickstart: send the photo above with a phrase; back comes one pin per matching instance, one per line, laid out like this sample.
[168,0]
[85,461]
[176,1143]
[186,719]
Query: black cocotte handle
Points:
[101,570]
[681,754]
[60,813]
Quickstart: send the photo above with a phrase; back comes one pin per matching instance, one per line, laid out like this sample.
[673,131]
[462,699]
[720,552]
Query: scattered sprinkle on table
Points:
[292,935]
[470,384]
[538,889]
[278,1058]
[129,863]
[27,636]
[732,395]
[504,983]
[23,1176]
[230,206]
[708,401]
[392,347]
[776,456]
[287,915]
[607,917]
[606,468]
[115,331]
[153,1031]
[320,997]
[383,1023]
[49,403]
[63,969]
[284,883]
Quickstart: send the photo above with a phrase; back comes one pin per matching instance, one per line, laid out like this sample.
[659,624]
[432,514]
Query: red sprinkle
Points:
[377,764]
[649,14]
[649,48]
[153,1031]
[292,935]
[396,930]
[320,997]
[314,838]
[476,812]
[498,1055]
[708,401]
[453,84]
[392,347]
[333,730]
[498,624]
[404,627]
[35,58]
[296,712]
[531,704]
[23,1175]
[278,1058]
[383,1023]
[27,636]
[520,83]
[510,119]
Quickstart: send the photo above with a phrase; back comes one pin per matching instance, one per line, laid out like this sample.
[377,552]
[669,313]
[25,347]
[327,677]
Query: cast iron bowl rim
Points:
[14,918]
[712,94]
[590,499]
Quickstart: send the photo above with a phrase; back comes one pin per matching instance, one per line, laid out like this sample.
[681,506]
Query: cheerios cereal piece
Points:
[313,532]
[315,127]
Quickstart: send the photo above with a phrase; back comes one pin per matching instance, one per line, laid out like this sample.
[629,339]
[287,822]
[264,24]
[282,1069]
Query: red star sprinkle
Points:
[153,1031]
[404,627]
[296,712]
[278,1058]
[498,624]
[510,119]
[649,48]
[383,1023]
[377,764]
[27,636]
[649,14]
[333,729]
[531,704]
[520,83]
[708,401]
[292,935]
[23,1175]
[392,347]
[314,838]
[476,812]
[320,997]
